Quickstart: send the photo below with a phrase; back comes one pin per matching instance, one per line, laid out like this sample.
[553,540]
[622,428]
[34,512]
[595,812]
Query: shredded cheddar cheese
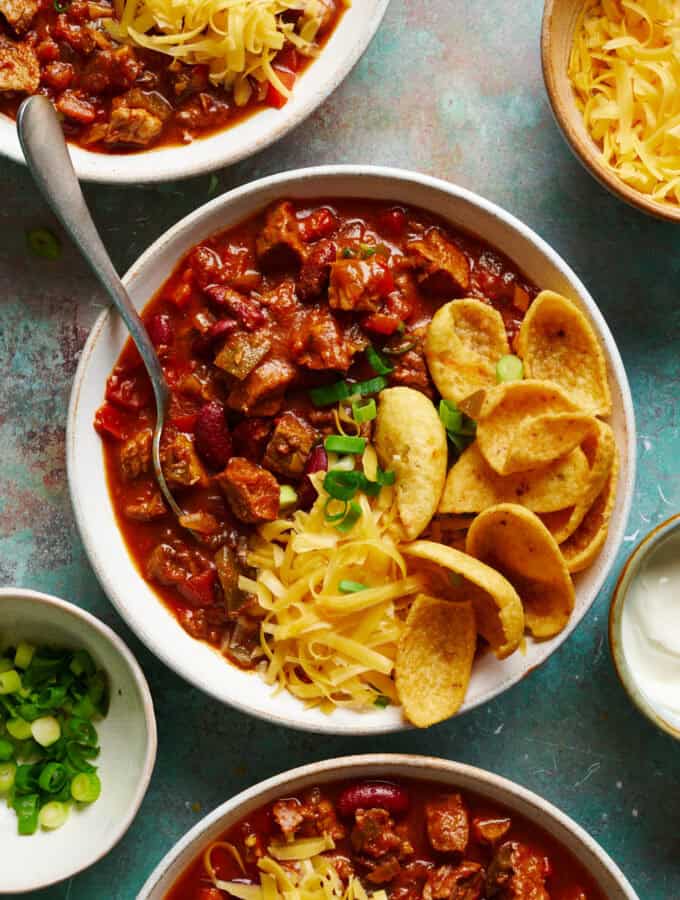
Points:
[625,71]
[327,647]
[236,39]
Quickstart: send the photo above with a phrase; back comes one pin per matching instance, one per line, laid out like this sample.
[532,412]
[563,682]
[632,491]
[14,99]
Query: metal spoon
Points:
[49,162]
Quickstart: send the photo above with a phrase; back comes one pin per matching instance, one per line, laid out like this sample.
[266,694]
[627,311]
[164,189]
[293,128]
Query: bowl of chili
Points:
[439,823]
[134,115]
[36,855]
[126,558]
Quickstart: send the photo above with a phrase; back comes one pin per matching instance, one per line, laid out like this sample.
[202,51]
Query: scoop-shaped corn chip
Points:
[464,341]
[434,659]
[472,485]
[600,450]
[522,425]
[583,546]
[498,608]
[514,541]
[557,342]
[411,441]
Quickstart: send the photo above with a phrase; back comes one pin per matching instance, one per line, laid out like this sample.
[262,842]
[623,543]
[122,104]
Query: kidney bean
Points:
[160,329]
[317,461]
[371,794]
[203,344]
[211,435]
[248,311]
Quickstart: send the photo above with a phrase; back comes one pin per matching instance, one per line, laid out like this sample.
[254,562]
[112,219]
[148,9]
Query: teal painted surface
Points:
[453,89]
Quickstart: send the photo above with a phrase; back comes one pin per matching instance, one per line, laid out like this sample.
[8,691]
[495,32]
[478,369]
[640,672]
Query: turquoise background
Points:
[454,89]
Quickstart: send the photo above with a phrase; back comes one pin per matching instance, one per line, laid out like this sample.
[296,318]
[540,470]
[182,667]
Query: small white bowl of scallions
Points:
[77,739]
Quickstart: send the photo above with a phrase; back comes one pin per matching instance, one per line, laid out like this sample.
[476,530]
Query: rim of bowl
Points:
[423,767]
[577,138]
[76,612]
[122,169]
[619,596]
[191,223]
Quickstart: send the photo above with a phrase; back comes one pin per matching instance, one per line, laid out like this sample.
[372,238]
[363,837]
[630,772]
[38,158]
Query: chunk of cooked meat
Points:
[516,873]
[319,342]
[490,831]
[71,105]
[359,284]
[251,491]
[278,244]
[448,826]
[316,270]
[135,455]
[410,370]
[261,393]
[19,68]
[373,833]
[281,301]
[462,882]
[146,509]
[241,353]
[288,815]
[168,564]
[409,884]
[383,870]
[290,445]
[180,463]
[443,268]
[132,126]
[320,815]
[19,13]
[250,438]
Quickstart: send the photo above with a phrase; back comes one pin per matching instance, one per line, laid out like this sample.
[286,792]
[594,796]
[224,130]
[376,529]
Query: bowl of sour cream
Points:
[644,626]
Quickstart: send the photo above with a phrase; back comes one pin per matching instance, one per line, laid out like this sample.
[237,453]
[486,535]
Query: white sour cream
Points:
[651,625]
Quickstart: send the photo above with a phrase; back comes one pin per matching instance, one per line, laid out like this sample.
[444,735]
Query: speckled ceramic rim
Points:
[142,686]
[467,778]
[575,134]
[619,597]
[286,184]
[348,42]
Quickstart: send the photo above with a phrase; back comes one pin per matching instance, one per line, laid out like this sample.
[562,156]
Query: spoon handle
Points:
[48,159]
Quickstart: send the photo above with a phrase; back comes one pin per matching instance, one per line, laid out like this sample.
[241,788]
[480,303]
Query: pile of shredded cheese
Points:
[625,70]
[236,39]
[305,874]
[327,647]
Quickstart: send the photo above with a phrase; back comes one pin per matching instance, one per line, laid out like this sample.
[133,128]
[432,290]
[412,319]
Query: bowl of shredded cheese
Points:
[612,72]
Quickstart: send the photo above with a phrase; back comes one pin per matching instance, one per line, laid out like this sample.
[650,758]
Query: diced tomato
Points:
[276,98]
[318,224]
[174,370]
[185,423]
[393,221]
[128,391]
[383,281]
[288,58]
[199,590]
[111,423]
[381,323]
[397,304]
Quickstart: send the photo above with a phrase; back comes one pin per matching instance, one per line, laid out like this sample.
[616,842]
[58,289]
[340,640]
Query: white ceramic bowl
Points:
[135,600]
[127,738]
[343,49]
[566,832]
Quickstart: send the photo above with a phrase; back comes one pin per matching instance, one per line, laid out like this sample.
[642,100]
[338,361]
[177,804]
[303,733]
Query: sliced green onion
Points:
[76,729]
[53,815]
[78,754]
[26,779]
[6,664]
[51,697]
[19,729]
[86,787]
[10,682]
[26,809]
[379,365]
[52,778]
[341,463]
[287,496]
[385,477]
[346,586]
[6,750]
[381,701]
[509,368]
[350,520]
[372,386]
[7,776]
[347,253]
[46,730]
[451,417]
[42,242]
[329,393]
[84,708]
[341,443]
[24,655]
[82,663]
[368,250]
[365,413]
[330,516]
[341,485]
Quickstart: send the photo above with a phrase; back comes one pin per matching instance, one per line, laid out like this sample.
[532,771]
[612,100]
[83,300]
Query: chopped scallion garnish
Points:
[347,586]
[365,413]
[287,496]
[509,368]
[42,242]
[340,443]
[351,518]
[381,701]
[379,365]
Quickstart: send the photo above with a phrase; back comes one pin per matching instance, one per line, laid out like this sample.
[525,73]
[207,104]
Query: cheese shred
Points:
[237,39]
[625,71]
